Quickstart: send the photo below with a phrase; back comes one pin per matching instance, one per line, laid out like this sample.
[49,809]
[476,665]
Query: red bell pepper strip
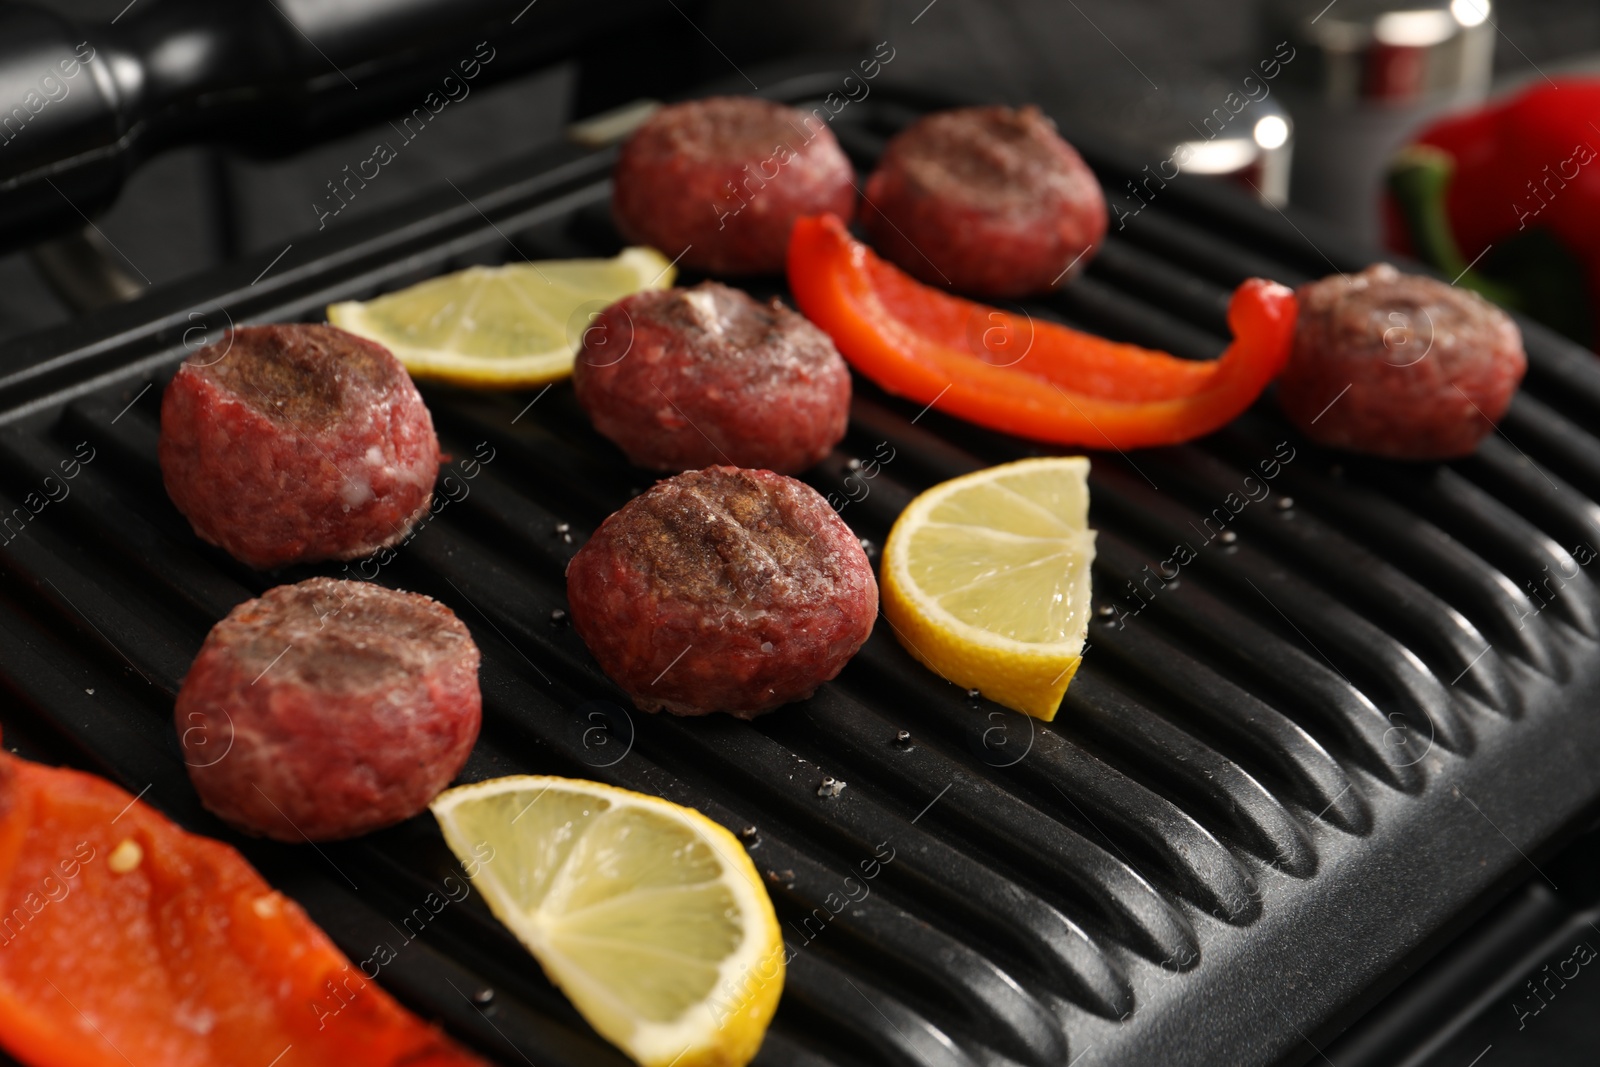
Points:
[124,939]
[1023,376]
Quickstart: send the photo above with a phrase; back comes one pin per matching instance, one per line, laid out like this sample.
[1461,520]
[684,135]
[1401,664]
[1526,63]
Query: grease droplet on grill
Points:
[830,787]
[558,617]
[1285,503]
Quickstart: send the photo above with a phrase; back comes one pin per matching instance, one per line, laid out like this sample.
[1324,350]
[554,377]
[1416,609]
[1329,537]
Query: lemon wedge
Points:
[504,327]
[985,579]
[649,916]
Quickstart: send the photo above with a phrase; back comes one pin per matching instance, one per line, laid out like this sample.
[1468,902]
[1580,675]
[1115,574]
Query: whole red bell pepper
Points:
[1506,199]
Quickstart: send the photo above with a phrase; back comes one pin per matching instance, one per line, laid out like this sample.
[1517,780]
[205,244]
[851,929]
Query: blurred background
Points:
[192,188]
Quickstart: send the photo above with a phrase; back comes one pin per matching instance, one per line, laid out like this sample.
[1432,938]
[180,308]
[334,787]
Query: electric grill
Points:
[1287,772]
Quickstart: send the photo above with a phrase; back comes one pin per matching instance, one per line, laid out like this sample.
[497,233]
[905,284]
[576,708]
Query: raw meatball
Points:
[1399,365]
[722,180]
[328,708]
[288,444]
[722,590]
[686,378]
[988,200]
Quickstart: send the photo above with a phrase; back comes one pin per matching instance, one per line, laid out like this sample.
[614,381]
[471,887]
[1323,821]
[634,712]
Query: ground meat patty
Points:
[722,180]
[989,200]
[1399,365]
[722,590]
[686,378]
[328,708]
[287,444]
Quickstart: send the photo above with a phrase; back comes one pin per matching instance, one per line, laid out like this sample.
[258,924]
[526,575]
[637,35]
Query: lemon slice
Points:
[985,579]
[647,915]
[505,327]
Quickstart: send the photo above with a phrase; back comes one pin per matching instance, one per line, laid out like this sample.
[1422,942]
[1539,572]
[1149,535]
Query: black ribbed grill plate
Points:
[1331,707]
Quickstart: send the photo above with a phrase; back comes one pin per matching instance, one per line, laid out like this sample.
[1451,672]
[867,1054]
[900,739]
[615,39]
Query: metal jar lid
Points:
[1199,121]
[1384,52]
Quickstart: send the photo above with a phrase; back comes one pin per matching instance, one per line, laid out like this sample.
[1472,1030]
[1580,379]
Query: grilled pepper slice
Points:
[1024,376]
[124,939]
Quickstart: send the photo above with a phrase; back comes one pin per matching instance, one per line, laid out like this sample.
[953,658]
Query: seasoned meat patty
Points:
[722,180]
[989,200]
[686,378]
[328,708]
[722,590]
[287,444]
[1399,365]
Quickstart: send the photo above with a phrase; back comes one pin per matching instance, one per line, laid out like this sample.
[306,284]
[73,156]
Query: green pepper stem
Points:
[1420,178]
